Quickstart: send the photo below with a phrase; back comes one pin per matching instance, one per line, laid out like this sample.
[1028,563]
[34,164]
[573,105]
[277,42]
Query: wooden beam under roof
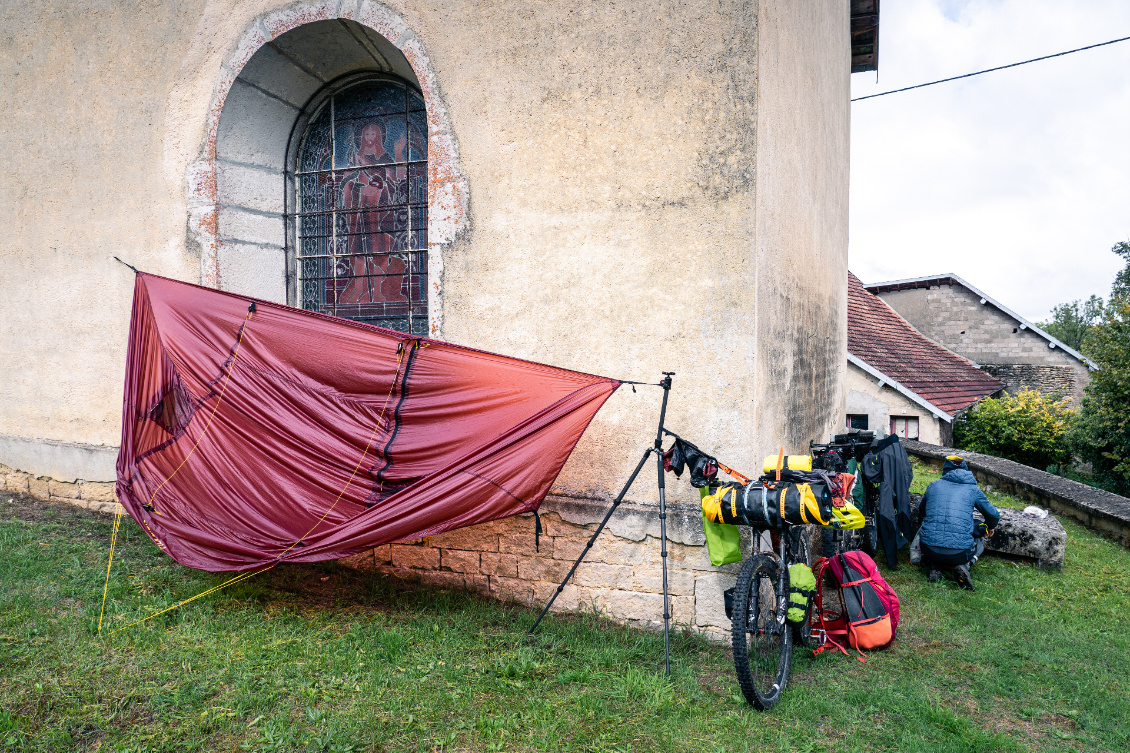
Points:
[864,35]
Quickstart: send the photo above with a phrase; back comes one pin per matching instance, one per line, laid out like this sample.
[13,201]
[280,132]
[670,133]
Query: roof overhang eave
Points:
[910,394]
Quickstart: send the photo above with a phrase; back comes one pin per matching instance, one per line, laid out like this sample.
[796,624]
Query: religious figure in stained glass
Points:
[363,207]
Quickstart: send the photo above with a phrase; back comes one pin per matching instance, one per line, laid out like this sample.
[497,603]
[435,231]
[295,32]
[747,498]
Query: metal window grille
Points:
[362,213]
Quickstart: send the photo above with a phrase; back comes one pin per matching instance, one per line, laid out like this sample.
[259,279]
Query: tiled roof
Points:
[884,341]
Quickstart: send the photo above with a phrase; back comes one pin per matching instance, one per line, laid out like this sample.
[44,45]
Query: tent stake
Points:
[658,450]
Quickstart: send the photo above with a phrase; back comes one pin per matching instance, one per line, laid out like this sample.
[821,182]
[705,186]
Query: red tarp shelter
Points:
[254,436]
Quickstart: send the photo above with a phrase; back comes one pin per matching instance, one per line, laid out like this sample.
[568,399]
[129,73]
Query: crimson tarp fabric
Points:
[250,437]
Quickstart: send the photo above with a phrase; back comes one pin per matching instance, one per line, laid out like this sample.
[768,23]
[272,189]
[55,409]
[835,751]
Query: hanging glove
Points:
[704,468]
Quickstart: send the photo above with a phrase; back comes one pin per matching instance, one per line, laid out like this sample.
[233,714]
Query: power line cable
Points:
[990,70]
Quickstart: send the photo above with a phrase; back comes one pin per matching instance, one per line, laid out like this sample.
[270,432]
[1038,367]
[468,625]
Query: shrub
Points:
[1030,428]
[1101,435]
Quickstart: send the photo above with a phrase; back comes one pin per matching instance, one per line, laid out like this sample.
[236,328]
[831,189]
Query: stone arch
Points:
[237,187]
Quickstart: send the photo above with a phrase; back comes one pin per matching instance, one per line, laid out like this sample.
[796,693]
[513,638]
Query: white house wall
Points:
[865,397]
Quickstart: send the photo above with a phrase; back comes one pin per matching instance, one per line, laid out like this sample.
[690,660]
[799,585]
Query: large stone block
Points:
[515,524]
[512,589]
[571,598]
[649,579]
[417,557]
[539,568]
[682,610]
[474,539]
[459,561]
[97,491]
[690,557]
[710,607]
[498,565]
[38,487]
[553,525]
[521,543]
[1020,535]
[567,547]
[62,489]
[599,575]
[16,482]
[363,561]
[629,605]
[383,554]
[614,550]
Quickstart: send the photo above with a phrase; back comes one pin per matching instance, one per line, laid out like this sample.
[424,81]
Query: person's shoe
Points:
[934,576]
[961,572]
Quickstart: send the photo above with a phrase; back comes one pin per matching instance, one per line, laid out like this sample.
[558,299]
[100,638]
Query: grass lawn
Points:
[321,658]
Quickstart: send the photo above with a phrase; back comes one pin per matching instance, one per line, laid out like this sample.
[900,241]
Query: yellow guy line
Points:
[253,573]
[113,541]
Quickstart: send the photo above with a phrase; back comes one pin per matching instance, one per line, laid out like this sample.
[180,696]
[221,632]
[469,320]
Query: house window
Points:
[362,207]
[905,426]
[857,420]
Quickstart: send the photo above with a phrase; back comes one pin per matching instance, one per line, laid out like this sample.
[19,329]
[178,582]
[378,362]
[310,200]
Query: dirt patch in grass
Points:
[20,506]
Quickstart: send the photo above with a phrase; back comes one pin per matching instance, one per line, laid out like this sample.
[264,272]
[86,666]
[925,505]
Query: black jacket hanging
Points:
[888,466]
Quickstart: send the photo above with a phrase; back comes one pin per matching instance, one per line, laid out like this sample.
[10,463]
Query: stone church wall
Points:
[619,189]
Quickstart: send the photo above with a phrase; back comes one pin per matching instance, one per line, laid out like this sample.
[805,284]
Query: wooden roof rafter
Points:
[864,35]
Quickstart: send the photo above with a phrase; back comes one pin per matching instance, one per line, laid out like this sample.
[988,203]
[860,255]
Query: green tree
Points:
[1121,286]
[1030,428]
[1072,322]
[1101,435]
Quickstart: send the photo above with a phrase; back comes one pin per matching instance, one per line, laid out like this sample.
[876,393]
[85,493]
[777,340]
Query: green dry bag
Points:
[722,541]
[802,584]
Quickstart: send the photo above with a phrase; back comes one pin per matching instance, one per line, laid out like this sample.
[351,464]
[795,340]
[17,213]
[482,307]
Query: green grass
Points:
[320,658]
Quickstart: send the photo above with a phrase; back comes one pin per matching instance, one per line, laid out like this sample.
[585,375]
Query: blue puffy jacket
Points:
[949,503]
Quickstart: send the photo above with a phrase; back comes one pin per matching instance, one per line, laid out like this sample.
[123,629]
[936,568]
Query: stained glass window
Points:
[362,220]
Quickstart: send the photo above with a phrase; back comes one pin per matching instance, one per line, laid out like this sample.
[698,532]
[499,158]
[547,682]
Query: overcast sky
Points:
[1018,180]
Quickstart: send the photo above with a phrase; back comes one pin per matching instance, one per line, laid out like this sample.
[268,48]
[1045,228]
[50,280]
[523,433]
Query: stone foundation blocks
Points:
[459,561]
[418,557]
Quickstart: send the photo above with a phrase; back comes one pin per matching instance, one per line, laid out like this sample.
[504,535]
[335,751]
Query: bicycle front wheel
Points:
[762,641]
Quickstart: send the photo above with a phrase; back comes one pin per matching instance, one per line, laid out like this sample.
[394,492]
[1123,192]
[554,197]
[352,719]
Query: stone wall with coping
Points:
[620,578]
[92,495]
[1099,510]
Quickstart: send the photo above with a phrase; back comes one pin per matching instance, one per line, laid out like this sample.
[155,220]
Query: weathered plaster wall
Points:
[81,180]
[955,318]
[864,396]
[799,277]
[622,189]
[614,220]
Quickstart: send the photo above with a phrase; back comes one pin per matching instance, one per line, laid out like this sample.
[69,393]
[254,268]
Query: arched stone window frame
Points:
[448,194]
[308,115]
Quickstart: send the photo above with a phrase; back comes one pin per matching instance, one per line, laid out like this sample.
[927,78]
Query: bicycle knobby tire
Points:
[762,640]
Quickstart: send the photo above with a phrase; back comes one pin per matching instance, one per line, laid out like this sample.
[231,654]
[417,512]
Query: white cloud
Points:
[1017,180]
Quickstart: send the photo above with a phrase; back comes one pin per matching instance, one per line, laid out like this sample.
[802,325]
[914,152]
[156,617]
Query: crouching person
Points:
[951,539]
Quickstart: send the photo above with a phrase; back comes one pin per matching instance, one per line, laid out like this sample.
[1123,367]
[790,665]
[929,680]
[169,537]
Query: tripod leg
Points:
[663,559]
[666,384]
[588,546]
